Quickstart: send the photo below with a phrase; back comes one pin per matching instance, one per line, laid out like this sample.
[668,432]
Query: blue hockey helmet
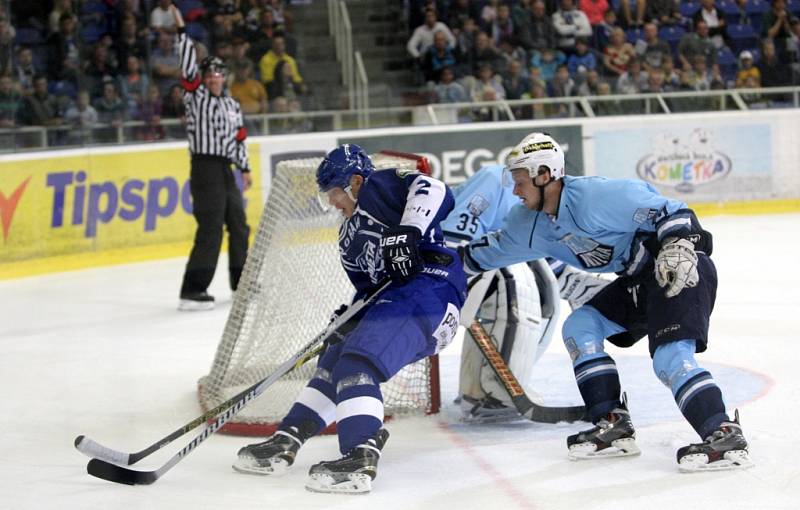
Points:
[341,164]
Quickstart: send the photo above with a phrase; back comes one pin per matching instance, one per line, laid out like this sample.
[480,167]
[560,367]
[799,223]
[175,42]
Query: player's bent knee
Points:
[353,370]
[587,322]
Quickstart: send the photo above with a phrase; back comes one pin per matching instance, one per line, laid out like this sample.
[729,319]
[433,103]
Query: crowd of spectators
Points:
[479,50]
[95,64]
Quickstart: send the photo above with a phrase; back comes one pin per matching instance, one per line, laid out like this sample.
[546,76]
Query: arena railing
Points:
[40,137]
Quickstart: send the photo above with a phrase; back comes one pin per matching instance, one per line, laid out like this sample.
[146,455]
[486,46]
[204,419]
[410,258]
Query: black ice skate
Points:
[725,449]
[353,473]
[195,301]
[612,436]
[275,455]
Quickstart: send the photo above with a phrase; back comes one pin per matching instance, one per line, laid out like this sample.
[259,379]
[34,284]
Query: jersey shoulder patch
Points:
[405,172]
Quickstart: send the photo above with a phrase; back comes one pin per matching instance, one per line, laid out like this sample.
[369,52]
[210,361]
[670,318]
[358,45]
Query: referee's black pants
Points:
[216,201]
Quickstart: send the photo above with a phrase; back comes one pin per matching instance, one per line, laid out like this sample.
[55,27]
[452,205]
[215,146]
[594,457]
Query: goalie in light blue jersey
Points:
[666,288]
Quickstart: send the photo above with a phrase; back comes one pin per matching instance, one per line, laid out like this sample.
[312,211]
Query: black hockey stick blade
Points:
[118,474]
[555,414]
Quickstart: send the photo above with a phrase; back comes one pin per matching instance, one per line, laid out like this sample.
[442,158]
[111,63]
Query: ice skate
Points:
[486,410]
[612,436]
[353,473]
[196,301]
[725,449]
[272,457]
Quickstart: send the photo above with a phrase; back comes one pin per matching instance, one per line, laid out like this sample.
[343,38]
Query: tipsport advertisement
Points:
[701,161]
[86,202]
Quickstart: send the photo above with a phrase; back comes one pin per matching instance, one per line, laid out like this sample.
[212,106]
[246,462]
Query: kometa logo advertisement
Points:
[684,163]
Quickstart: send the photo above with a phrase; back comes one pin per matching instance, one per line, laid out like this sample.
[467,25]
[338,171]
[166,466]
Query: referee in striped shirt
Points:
[216,134]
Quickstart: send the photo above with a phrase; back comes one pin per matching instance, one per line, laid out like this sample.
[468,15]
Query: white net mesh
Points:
[291,283]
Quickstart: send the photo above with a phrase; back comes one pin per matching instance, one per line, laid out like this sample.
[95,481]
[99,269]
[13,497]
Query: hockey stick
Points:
[106,470]
[526,407]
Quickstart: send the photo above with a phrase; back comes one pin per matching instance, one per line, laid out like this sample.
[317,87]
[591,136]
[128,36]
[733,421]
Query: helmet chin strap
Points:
[349,191]
[541,192]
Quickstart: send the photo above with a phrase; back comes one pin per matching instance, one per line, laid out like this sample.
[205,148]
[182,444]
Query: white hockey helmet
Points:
[534,151]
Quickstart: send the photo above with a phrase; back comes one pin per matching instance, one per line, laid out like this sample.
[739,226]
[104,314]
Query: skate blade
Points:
[356,483]
[249,466]
[620,448]
[187,305]
[698,463]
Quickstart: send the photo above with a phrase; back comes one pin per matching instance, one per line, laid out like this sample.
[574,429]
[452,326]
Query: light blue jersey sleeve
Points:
[482,202]
[599,205]
[511,244]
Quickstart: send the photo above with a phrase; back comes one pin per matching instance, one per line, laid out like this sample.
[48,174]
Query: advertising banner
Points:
[456,154]
[82,202]
[692,161]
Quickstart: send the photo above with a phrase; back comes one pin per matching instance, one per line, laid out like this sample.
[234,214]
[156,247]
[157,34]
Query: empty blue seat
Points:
[793,6]
[742,37]
[728,63]
[672,35]
[688,9]
[634,34]
[28,36]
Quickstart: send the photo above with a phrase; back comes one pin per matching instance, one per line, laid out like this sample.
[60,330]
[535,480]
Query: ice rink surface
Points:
[103,352]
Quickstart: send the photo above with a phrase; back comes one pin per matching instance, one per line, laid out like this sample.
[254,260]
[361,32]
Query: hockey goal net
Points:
[291,283]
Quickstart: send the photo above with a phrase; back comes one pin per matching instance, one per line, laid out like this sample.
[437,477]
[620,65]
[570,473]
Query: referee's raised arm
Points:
[216,132]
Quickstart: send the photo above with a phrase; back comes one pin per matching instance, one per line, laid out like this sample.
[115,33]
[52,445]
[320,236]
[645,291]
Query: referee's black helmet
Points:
[213,65]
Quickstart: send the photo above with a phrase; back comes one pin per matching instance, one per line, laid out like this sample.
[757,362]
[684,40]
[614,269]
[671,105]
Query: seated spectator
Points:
[249,92]
[63,51]
[696,43]
[489,13]
[589,86]
[458,13]
[570,23]
[537,110]
[595,10]
[10,103]
[583,59]
[633,80]
[484,53]
[294,124]
[82,116]
[748,75]
[617,54]
[465,41]
[662,12]
[270,61]
[548,61]
[25,70]
[651,50]
[655,82]
[502,28]
[509,52]
[261,39]
[515,83]
[603,31]
[438,56]
[150,111]
[535,76]
[422,38]
[165,63]
[161,19]
[110,108]
[448,90]
[487,87]
[714,19]
[672,78]
[98,70]
[628,18]
[282,85]
[240,49]
[776,27]
[53,19]
[742,17]
[603,108]
[128,42]
[172,107]
[700,76]
[41,107]
[541,34]
[562,85]
[774,71]
[133,85]
[7,34]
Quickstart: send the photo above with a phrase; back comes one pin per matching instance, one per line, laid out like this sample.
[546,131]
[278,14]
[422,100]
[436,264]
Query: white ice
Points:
[103,352]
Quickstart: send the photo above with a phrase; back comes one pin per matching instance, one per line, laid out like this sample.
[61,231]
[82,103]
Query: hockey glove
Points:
[400,249]
[676,266]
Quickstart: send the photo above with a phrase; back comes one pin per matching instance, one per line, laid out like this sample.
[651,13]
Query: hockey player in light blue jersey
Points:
[391,230]
[666,289]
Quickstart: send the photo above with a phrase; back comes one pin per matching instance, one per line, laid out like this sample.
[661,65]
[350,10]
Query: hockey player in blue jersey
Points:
[391,229]
[666,289]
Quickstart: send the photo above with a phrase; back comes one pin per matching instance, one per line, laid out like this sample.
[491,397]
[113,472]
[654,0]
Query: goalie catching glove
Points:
[676,266]
[400,249]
